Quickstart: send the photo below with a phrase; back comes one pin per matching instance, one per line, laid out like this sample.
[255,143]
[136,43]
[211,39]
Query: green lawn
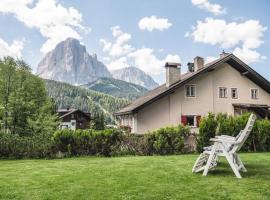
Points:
[156,177]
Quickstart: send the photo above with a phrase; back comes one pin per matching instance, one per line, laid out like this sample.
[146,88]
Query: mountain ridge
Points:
[117,88]
[136,76]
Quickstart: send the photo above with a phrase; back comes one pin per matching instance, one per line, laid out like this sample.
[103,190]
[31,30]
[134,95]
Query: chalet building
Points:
[226,85]
[74,119]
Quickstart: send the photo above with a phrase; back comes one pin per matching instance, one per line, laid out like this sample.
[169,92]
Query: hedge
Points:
[222,124]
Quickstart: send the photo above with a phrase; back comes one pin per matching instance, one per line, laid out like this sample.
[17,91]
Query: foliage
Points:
[222,124]
[97,121]
[69,96]
[15,146]
[24,104]
[117,88]
[87,142]
[208,126]
[168,140]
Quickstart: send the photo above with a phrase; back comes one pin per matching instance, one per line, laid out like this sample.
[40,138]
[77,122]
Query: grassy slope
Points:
[167,177]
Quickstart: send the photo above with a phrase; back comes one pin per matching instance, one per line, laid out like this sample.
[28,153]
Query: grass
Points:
[156,177]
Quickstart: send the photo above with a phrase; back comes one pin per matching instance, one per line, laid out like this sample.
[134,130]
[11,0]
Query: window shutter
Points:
[184,120]
[198,118]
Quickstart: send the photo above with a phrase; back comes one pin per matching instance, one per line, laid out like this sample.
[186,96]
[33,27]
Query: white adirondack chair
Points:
[226,146]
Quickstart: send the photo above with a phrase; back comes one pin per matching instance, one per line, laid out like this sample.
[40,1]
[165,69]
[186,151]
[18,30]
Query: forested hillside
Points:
[117,88]
[66,95]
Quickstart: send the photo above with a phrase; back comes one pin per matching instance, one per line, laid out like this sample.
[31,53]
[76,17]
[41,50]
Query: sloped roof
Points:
[162,90]
[70,111]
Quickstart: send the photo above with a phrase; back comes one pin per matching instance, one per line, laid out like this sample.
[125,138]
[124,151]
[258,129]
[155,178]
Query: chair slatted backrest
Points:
[242,137]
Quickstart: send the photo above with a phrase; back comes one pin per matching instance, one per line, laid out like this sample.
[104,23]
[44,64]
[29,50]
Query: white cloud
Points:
[118,63]
[121,54]
[246,34]
[13,49]
[209,59]
[120,44]
[248,55]
[227,35]
[152,23]
[54,21]
[146,60]
[216,9]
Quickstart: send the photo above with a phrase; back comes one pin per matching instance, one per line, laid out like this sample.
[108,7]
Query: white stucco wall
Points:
[168,110]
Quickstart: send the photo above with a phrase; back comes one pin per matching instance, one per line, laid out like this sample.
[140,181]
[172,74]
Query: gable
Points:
[162,91]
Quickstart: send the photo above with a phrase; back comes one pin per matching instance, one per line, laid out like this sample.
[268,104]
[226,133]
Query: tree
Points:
[98,121]
[23,99]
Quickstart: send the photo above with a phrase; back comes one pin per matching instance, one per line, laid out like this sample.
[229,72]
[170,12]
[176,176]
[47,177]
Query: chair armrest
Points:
[222,137]
[222,140]
[227,136]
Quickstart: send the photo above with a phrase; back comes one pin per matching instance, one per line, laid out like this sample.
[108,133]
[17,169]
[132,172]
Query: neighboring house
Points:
[74,119]
[225,85]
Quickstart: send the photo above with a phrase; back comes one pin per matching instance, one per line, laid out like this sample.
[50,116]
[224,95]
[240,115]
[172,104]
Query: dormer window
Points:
[190,90]
[254,93]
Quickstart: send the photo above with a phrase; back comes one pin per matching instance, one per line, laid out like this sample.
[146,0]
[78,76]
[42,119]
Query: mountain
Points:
[136,76]
[66,95]
[117,88]
[69,62]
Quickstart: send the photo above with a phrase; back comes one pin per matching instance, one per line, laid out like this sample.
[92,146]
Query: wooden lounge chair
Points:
[226,146]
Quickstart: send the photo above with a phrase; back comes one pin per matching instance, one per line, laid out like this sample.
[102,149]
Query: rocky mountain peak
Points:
[136,76]
[69,62]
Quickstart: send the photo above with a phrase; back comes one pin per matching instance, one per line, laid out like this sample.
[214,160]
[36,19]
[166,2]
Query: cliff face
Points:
[69,62]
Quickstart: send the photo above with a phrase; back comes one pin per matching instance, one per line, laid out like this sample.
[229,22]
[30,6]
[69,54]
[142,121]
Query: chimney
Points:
[173,73]
[198,63]
[223,54]
[190,67]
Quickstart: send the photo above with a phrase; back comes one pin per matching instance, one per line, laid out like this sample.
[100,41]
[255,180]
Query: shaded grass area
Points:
[156,177]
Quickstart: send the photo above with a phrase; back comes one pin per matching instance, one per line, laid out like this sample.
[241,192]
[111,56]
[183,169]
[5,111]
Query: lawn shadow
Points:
[253,171]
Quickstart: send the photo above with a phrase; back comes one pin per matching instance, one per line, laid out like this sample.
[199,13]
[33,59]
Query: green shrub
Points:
[168,140]
[15,146]
[208,128]
[87,142]
[222,124]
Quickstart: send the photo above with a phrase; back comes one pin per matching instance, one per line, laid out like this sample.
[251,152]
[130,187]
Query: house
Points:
[74,119]
[226,85]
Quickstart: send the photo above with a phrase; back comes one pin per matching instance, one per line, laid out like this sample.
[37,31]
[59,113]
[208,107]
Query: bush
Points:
[208,128]
[222,124]
[15,146]
[169,140]
[87,142]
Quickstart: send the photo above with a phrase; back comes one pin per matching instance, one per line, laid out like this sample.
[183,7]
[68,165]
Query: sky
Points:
[140,33]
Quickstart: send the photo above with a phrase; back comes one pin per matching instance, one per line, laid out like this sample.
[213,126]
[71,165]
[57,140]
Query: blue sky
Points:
[140,33]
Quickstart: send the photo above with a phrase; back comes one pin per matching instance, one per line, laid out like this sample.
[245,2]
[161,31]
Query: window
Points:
[190,90]
[191,120]
[234,93]
[222,92]
[254,93]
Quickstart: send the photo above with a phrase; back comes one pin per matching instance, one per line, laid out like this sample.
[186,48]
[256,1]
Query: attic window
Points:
[234,93]
[222,92]
[190,90]
[254,93]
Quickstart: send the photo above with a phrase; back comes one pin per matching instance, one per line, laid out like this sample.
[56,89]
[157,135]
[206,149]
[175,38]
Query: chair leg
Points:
[240,163]
[210,159]
[232,164]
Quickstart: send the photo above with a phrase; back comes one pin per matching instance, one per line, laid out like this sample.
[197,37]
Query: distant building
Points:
[74,119]
[226,85]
